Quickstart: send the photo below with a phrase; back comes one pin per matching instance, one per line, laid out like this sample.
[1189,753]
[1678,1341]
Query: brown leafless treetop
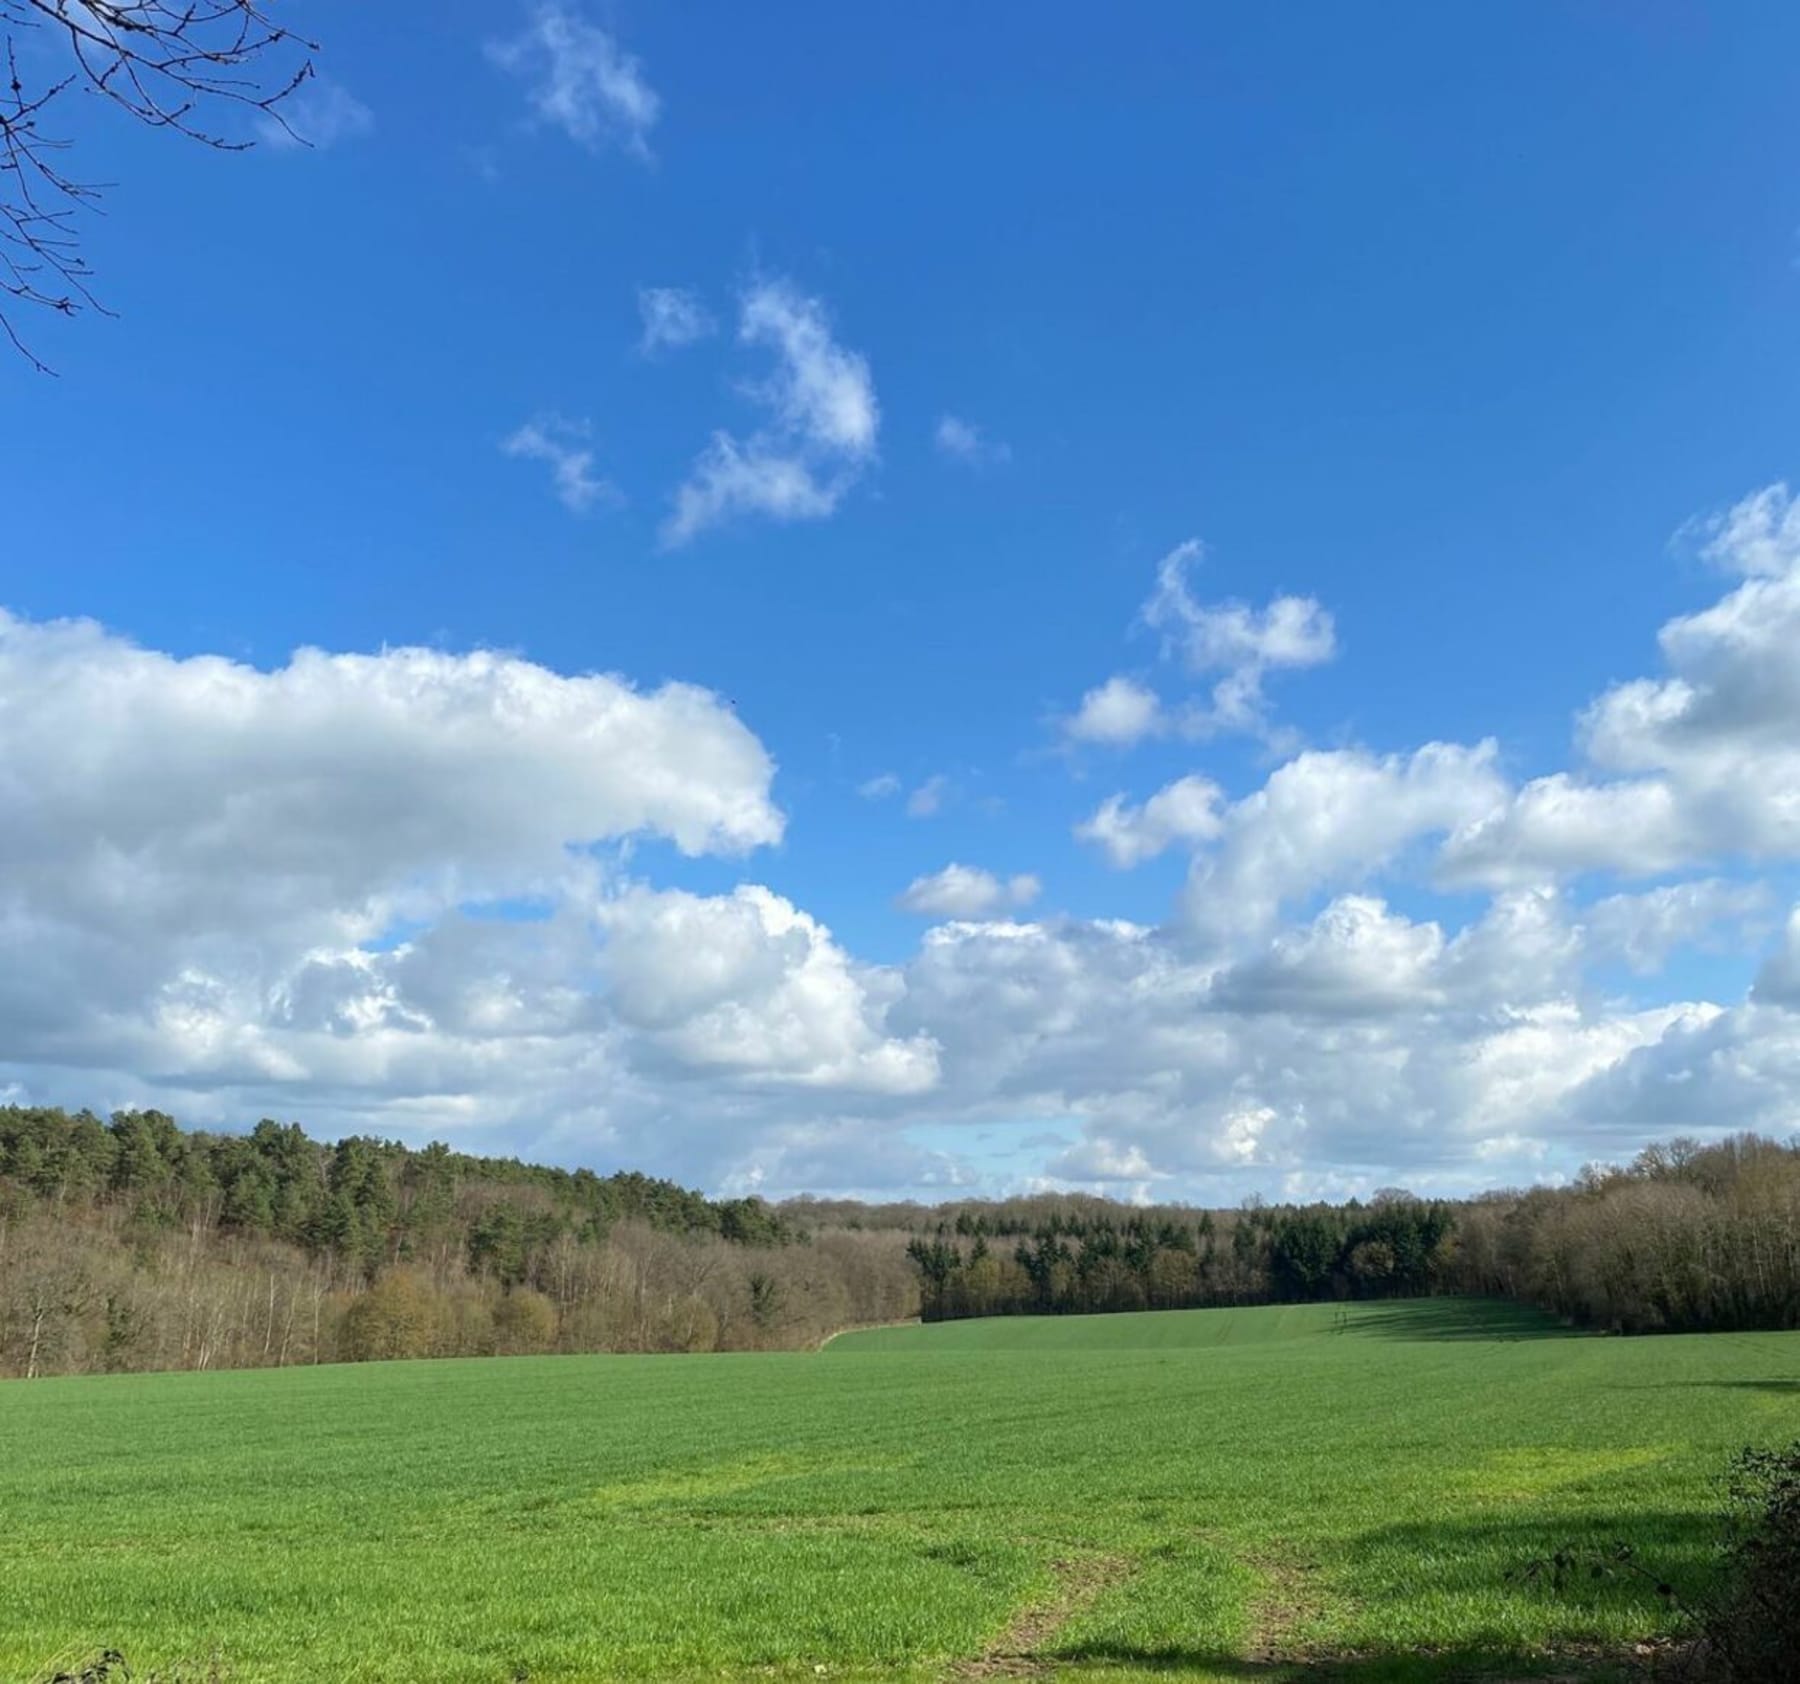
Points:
[171,64]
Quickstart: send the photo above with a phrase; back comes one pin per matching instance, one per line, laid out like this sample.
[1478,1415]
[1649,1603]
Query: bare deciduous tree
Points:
[170,64]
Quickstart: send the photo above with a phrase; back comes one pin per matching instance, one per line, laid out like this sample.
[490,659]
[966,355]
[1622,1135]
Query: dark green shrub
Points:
[1753,1631]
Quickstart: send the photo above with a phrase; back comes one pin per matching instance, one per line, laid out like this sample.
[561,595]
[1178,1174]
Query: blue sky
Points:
[1457,328]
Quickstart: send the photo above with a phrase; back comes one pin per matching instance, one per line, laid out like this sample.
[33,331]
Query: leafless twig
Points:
[171,64]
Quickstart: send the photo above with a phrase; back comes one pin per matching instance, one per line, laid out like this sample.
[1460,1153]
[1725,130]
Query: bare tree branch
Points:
[170,64]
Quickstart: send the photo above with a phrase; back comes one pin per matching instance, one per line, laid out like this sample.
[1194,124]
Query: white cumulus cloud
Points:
[1331,818]
[1700,765]
[1643,929]
[212,882]
[747,983]
[1759,535]
[1119,713]
[1778,981]
[1187,810]
[1356,959]
[403,893]
[963,891]
[336,788]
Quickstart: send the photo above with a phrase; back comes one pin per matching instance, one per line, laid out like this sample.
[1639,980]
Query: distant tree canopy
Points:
[364,1200]
[1111,1260]
[130,1243]
[1686,1238]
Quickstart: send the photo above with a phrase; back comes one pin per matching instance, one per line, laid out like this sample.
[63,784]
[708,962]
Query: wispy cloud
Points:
[1232,638]
[320,113]
[819,392]
[927,801]
[729,478]
[563,445]
[879,788]
[823,419]
[963,441]
[1240,643]
[579,79]
[672,317]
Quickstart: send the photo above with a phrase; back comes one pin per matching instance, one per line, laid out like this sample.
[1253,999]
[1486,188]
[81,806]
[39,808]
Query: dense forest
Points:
[1686,1238]
[1082,1261]
[135,1244]
[131,1243]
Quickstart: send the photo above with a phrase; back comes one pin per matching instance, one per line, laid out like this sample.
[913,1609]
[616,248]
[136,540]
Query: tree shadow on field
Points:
[1463,1319]
[1493,1554]
[1781,1388]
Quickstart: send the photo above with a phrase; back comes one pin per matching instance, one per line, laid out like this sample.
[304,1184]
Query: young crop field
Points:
[1222,1495]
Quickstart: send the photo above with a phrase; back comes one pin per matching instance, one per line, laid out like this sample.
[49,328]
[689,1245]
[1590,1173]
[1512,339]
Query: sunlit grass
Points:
[1263,1483]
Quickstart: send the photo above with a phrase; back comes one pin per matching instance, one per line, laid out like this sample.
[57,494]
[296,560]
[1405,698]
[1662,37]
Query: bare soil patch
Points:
[1021,1650]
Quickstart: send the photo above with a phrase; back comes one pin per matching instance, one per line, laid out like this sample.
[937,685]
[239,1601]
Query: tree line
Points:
[1685,1238]
[1086,1261]
[131,1243]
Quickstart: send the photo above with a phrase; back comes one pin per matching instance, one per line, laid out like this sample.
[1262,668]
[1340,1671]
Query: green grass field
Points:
[1211,1494]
